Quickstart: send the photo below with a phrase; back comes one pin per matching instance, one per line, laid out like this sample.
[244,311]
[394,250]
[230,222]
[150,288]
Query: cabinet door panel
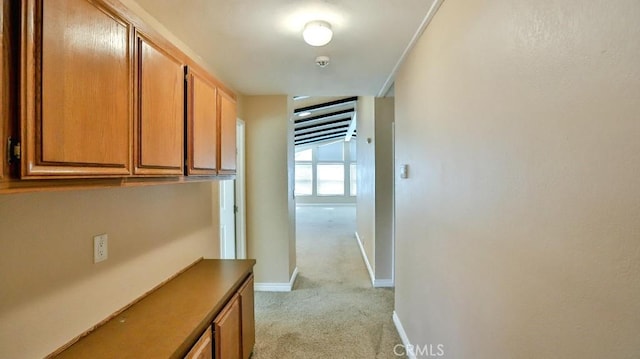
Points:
[160,117]
[227,331]
[4,119]
[202,126]
[248,318]
[227,133]
[78,64]
[203,349]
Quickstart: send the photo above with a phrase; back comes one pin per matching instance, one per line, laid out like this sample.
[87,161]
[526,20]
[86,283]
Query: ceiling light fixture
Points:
[317,33]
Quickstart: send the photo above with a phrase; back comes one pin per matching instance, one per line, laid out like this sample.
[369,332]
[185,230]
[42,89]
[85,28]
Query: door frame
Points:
[241,211]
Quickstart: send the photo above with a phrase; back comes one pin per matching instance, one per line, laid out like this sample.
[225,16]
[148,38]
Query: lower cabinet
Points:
[232,333]
[234,326]
[205,311]
[228,331]
[248,318]
[203,349]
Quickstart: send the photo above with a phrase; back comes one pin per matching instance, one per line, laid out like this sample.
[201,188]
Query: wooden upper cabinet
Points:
[228,115]
[4,119]
[76,98]
[202,125]
[97,97]
[159,124]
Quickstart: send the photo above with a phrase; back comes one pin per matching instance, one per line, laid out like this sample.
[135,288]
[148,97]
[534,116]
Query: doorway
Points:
[232,205]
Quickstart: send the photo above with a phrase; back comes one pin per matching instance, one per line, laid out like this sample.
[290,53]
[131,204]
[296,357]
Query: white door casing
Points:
[241,226]
[227,220]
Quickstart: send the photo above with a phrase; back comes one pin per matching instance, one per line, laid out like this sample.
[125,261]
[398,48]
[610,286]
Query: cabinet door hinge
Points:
[13,150]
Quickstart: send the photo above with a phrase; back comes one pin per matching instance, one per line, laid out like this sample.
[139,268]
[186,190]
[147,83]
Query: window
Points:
[304,180]
[352,150]
[330,179]
[352,178]
[326,170]
[333,152]
[304,155]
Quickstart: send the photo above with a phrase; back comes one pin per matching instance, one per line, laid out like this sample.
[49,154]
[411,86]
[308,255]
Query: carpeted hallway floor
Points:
[333,312]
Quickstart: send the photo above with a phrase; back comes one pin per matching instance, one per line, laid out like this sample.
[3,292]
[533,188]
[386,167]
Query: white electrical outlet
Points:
[100,248]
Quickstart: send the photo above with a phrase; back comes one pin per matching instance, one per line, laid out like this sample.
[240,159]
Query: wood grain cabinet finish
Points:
[159,125]
[228,114]
[4,120]
[202,125]
[248,317]
[203,349]
[234,327]
[8,88]
[76,75]
[98,93]
[227,331]
[176,319]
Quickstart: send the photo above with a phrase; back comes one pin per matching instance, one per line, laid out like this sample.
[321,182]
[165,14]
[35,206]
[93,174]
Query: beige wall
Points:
[375,184]
[384,116]
[291,183]
[51,291]
[159,11]
[518,229]
[366,173]
[269,237]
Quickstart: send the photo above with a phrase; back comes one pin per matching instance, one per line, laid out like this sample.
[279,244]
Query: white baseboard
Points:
[403,335]
[277,287]
[366,260]
[376,283]
[383,283]
[294,276]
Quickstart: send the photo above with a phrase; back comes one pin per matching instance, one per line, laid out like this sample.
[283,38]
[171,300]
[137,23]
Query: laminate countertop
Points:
[169,320]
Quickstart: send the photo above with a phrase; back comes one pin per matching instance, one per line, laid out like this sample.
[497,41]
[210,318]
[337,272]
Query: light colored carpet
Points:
[333,312]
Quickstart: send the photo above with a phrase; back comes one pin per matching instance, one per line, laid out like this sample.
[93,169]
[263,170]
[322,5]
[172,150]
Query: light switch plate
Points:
[404,171]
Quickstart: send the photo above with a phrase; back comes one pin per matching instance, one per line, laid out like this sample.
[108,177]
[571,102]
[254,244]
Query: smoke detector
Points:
[322,61]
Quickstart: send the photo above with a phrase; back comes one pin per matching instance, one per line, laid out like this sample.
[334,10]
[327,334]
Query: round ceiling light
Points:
[317,33]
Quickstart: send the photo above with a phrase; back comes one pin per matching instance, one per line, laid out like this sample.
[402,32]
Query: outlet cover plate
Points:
[100,248]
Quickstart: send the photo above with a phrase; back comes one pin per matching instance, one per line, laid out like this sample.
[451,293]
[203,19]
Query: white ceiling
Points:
[256,46]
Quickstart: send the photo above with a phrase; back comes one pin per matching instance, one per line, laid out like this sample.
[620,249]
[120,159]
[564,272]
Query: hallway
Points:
[333,312]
